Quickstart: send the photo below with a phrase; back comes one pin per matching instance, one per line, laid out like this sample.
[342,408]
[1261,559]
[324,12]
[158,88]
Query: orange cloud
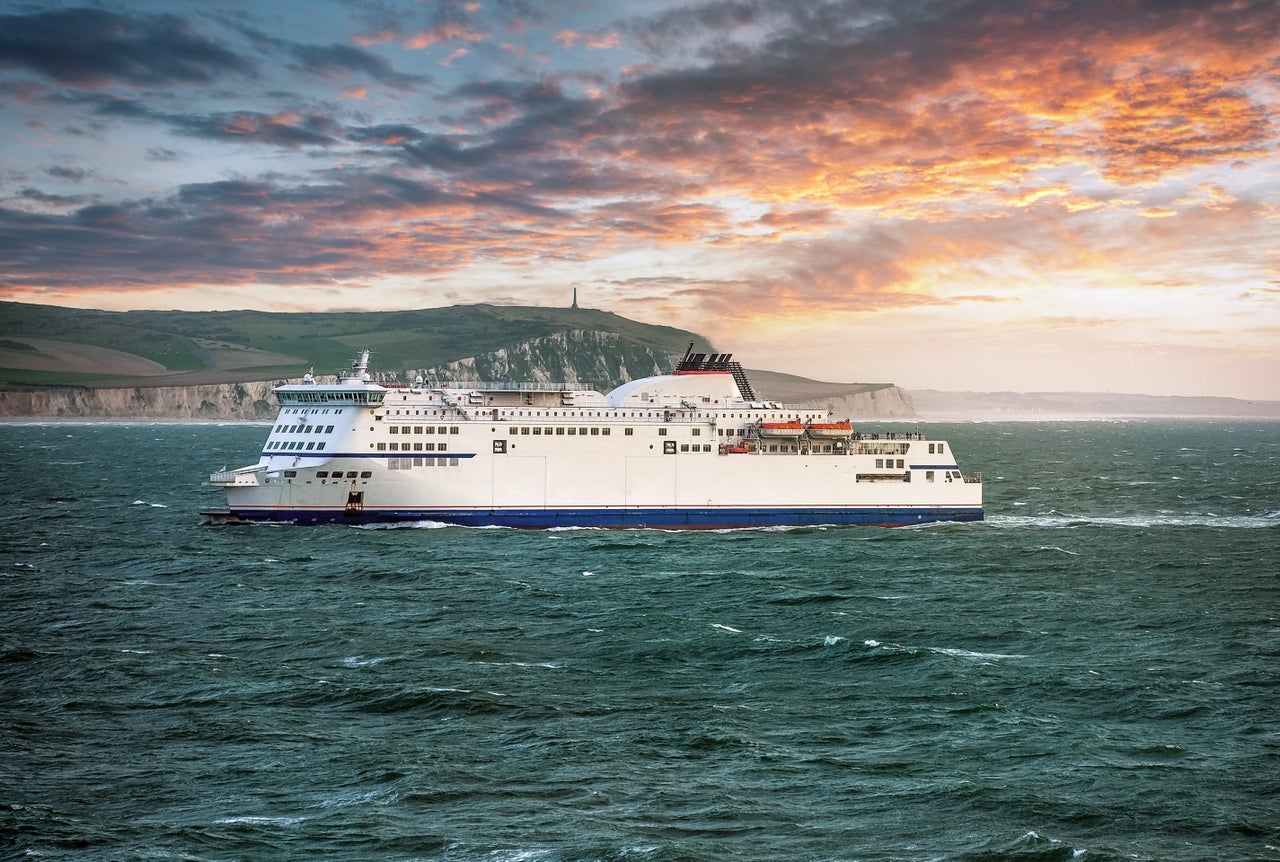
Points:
[448,31]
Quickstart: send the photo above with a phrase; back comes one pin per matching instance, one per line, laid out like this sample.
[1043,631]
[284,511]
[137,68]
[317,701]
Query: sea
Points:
[1092,673]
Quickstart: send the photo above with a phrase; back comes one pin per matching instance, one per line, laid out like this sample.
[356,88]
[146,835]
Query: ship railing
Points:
[222,476]
[973,478]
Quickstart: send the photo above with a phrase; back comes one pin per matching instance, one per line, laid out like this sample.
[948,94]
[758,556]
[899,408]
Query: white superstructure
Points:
[693,449]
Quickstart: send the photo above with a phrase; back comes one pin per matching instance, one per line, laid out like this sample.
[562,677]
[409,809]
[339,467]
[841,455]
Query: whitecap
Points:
[259,821]
[550,665]
[1208,519]
[358,661]
[964,653]
[726,628]
[832,640]
[404,525]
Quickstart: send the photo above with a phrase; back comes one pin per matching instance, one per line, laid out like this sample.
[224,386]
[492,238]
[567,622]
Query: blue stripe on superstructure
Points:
[657,518]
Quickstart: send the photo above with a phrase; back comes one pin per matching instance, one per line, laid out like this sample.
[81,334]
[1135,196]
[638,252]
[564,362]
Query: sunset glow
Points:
[981,195]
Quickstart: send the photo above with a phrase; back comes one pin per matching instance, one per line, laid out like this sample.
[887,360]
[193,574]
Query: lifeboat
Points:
[841,429]
[738,449]
[781,429]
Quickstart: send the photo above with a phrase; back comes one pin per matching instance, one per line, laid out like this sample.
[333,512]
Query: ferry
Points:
[695,449]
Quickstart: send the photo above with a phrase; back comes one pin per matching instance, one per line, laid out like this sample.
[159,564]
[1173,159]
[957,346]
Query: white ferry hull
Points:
[657,453]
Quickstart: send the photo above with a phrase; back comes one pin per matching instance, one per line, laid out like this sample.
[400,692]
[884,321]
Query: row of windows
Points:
[422,429]
[887,463]
[294,445]
[332,397]
[562,430]
[303,429]
[940,448]
[337,474]
[412,447]
[410,463]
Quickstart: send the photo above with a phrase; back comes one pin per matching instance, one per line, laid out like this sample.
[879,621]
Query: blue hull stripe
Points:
[664,518]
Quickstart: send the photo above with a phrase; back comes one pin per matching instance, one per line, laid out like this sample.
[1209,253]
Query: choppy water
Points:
[1090,674]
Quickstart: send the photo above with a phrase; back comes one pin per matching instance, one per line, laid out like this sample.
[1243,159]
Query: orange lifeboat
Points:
[781,429]
[841,429]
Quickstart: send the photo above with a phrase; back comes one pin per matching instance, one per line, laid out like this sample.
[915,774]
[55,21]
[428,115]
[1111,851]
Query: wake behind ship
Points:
[693,449]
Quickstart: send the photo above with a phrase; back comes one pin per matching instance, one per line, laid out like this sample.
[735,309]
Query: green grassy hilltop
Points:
[42,345]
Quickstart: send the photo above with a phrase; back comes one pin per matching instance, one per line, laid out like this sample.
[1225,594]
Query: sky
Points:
[1023,195]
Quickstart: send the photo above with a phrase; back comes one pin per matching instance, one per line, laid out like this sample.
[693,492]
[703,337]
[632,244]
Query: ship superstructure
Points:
[693,449]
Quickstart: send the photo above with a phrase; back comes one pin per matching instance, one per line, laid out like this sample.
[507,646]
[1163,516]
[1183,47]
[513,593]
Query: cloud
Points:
[444,31]
[839,157]
[597,41]
[95,48]
[336,60]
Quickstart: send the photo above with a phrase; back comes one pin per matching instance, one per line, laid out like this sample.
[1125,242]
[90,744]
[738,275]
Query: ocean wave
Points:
[950,652]
[1208,519]
[258,821]
[405,525]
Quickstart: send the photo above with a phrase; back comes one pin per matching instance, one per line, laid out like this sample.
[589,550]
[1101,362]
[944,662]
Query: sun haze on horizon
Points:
[985,195]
